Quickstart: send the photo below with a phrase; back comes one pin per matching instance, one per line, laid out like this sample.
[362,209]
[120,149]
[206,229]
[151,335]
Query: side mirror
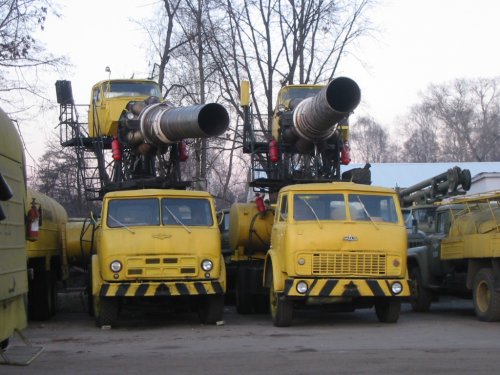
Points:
[220,219]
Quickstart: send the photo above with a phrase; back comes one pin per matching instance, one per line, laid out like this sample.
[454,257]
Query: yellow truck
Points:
[47,260]
[339,244]
[461,256]
[158,244]
[155,240]
[13,270]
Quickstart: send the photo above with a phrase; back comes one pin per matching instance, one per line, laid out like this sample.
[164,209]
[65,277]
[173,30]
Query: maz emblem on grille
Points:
[350,238]
[162,236]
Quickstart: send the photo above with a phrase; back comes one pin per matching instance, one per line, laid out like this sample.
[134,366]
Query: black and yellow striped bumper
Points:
[161,289]
[349,288]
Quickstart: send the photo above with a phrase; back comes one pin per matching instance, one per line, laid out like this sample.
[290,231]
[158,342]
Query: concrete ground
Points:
[447,340]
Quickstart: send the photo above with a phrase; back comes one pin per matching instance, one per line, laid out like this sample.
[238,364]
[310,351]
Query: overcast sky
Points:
[419,42]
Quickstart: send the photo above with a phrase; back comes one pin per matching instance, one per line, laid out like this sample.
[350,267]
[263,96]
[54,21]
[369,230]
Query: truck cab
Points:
[431,275]
[109,98]
[340,244]
[157,243]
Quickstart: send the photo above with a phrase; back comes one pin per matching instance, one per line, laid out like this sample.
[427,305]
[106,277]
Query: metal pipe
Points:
[163,124]
[314,118]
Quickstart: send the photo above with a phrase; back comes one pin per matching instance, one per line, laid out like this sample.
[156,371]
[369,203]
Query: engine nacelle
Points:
[159,124]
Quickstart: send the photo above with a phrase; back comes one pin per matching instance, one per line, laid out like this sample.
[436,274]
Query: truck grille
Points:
[162,267]
[352,264]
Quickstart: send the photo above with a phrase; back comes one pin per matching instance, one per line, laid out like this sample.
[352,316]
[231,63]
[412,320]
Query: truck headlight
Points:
[116,266]
[302,287]
[396,288]
[207,265]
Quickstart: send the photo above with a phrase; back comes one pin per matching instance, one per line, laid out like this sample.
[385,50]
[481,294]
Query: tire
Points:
[261,303]
[388,309]
[53,288]
[211,310]
[281,308]
[486,298]
[88,290]
[105,311]
[244,300]
[421,297]
[41,294]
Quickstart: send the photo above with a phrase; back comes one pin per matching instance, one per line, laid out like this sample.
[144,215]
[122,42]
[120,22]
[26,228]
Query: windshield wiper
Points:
[366,213]
[314,212]
[121,224]
[177,220]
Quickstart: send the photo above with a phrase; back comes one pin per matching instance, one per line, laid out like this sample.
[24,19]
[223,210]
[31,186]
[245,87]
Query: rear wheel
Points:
[53,288]
[212,309]
[41,294]
[105,310]
[281,308]
[88,289]
[486,298]
[421,297]
[244,300]
[261,303]
[388,309]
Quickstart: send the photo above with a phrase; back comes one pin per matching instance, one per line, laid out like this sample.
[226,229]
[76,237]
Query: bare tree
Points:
[22,57]
[463,117]
[370,142]
[422,144]
[273,42]
[57,177]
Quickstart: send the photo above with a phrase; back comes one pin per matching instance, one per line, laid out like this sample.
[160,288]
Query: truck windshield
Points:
[125,89]
[318,207]
[365,207]
[300,92]
[133,212]
[186,211]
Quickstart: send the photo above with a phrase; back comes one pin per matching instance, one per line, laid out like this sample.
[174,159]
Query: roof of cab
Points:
[124,80]
[141,193]
[337,187]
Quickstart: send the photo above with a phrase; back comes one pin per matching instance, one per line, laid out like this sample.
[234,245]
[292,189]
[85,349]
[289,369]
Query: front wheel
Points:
[105,310]
[486,298]
[244,302]
[211,309]
[41,294]
[421,297]
[388,310]
[281,308]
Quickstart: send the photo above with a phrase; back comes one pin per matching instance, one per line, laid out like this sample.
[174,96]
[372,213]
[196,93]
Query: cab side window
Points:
[96,96]
[283,216]
[443,222]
